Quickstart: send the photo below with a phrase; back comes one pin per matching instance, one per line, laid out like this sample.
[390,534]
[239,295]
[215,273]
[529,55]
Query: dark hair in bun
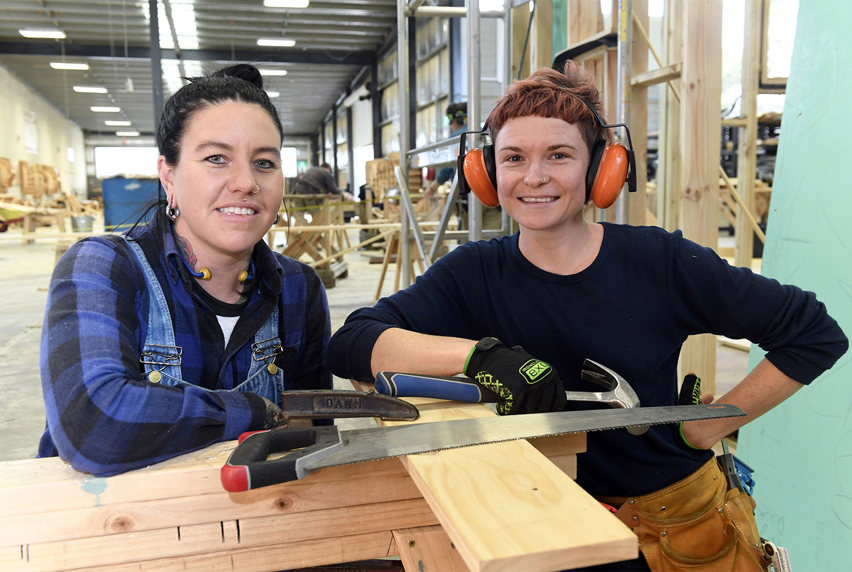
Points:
[240,82]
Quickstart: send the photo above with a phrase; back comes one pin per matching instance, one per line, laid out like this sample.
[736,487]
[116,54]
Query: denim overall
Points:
[161,355]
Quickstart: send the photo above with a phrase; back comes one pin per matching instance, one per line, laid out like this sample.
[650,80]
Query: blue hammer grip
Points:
[461,389]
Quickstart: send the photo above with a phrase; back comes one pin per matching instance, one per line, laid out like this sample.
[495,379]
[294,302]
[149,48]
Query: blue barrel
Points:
[125,201]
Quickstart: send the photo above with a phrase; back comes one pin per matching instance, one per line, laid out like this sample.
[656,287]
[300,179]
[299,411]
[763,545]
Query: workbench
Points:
[324,249]
[502,506]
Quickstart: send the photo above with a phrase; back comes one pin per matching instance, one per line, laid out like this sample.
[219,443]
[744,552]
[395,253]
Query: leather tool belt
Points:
[697,523]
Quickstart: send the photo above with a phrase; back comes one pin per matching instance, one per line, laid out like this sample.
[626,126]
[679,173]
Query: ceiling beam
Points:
[298,56]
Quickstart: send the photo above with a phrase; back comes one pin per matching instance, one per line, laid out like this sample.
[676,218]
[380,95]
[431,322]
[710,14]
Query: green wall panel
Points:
[802,450]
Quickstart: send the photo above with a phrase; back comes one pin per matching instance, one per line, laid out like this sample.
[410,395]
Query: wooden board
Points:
[175,515]
[505,506]
[427,549]
[700,126]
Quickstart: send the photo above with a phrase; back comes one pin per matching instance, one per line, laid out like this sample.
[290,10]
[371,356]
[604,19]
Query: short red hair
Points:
[549,93]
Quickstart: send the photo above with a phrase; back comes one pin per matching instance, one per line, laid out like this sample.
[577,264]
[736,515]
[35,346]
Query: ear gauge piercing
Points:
[172,212]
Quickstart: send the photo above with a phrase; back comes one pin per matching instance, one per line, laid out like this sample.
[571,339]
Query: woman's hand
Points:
[694,432]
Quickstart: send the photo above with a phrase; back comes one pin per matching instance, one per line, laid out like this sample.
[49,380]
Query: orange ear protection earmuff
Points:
[610,166]
[477,173]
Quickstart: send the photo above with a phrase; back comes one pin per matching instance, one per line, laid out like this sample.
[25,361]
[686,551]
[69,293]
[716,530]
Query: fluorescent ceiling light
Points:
[68,66]
[173,75]
[286,3]
[269,72]
[89,89]
[51,33]
[118,123]
[183,18]
[276,42]
[100,109]
[127,133]
[272,94]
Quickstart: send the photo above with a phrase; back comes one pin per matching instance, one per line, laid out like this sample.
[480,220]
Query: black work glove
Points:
[690,394]
[522,383]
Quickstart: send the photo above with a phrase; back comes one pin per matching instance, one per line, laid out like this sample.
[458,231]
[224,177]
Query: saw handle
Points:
[457,388]
[248,468]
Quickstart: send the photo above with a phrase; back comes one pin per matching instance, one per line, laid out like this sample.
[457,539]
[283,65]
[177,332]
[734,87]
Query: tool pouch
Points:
[697,523]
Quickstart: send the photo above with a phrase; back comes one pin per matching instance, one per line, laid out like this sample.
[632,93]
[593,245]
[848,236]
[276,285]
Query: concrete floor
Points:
[24,277]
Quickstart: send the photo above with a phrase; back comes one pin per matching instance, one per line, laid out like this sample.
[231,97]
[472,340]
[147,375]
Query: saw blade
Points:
[382,442]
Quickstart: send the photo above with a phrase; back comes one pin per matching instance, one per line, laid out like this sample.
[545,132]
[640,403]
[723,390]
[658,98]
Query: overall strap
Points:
[160,353]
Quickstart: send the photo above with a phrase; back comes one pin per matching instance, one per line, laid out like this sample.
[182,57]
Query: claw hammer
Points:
[618,392]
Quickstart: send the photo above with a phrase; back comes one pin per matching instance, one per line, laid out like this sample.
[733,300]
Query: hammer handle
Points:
[456,388]
[467,390]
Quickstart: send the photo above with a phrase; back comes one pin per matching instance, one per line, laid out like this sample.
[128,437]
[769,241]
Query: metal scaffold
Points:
[438,153]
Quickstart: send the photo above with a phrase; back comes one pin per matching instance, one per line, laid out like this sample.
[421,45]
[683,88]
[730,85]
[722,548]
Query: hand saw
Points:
[320,447]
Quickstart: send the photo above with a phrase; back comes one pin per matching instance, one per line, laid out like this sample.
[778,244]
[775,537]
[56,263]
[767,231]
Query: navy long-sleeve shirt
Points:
[630,310]
[103,416]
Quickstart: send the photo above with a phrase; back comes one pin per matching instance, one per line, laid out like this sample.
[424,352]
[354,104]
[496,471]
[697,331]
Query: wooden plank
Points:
[427,549]
[520,15]
[747,149]
[261,559]
[179,541]
[315,552]
[657,76]
[668,143]
[541,52]
[637,203]
[527,527]
[56,508]
[506,507]
[47,485]
[372,517]
[562,450]
[700,128]
[290,498]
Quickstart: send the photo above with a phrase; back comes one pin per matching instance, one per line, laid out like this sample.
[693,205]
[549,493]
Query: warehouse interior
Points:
[362,86]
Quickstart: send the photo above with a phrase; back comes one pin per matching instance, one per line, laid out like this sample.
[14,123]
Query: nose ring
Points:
[256,189]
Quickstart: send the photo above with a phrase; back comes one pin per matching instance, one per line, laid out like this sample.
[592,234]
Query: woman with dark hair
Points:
[186,330]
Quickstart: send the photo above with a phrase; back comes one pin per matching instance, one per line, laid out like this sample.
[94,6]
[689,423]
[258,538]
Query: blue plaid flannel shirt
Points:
[102,415]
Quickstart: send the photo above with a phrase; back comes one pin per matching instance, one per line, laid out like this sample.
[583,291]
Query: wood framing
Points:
[638,212]
[747,150]
[700,127]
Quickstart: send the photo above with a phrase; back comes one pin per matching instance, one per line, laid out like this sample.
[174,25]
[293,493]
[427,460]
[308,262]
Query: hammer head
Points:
[622,395]
[612,381]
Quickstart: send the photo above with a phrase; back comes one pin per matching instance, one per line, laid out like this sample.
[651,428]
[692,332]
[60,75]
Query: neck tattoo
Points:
[190,261]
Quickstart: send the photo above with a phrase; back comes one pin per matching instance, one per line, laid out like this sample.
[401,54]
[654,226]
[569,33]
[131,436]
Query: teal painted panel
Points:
[802,450]
[560,26]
